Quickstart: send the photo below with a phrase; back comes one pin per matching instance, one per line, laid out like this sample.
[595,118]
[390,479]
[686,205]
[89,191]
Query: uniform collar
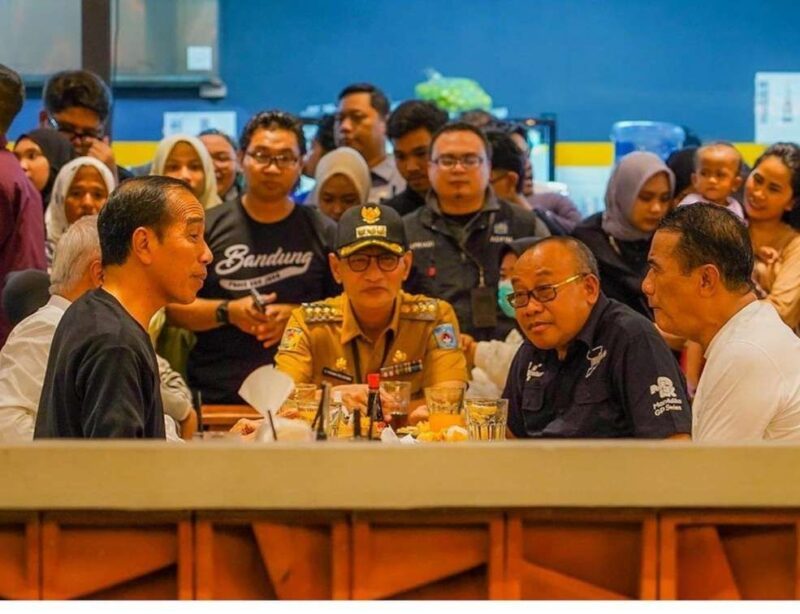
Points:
[588,332]
[350,327]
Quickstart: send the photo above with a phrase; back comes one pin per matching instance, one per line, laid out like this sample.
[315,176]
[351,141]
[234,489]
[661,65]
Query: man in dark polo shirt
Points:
[591,367]
[411,127]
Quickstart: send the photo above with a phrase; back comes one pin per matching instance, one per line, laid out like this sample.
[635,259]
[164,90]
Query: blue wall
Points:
[590,62]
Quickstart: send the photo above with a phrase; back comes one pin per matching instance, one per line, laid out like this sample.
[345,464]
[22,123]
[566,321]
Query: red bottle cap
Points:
[374,380]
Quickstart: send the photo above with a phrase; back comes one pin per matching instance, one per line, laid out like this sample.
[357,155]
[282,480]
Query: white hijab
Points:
[55,218]
[209,198]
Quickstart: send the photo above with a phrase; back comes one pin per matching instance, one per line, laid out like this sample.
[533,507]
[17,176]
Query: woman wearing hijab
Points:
[41,154]
[638,196]
[185,157]
[343,181]
[81,188]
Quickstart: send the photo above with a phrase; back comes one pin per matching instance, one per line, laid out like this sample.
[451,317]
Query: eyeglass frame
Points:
[459,160]
[58,126]
[270,160]
[531,294]
[376,257]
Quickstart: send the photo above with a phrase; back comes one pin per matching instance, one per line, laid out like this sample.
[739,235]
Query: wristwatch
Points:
[222,313]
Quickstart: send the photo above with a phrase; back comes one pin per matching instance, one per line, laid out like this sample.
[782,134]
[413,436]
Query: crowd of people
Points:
[674,313]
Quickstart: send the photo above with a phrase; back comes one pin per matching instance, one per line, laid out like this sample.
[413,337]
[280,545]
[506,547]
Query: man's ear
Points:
[96,272]
[142,244]
[335,263]
[513,181]
[592,285]
[43,119]
[709,280]
[408,260]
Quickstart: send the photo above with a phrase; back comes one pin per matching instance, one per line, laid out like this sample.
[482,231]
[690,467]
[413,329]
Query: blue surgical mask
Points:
[504,288]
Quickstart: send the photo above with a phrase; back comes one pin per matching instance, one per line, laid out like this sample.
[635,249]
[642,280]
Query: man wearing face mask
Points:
[491,360]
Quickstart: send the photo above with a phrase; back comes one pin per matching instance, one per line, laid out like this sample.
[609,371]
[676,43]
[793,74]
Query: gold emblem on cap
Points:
[341,364]
[399,356]
[370,214]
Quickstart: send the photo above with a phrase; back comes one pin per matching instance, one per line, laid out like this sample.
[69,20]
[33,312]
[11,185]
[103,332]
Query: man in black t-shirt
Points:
[261,242]
[102,376]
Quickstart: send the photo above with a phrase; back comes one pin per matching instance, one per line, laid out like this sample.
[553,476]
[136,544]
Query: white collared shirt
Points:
[750,387]
[23,362]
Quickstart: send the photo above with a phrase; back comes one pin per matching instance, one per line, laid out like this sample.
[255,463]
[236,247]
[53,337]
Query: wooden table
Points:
[223,519]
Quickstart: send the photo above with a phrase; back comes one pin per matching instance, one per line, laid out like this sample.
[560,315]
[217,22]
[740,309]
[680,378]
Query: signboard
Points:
[777,107]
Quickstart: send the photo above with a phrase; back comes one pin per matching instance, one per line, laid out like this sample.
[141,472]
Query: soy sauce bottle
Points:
[374,401]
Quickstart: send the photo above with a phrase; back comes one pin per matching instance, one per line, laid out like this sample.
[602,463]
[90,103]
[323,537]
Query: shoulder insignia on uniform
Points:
[420,309]
[399,356]
[320,312]
[445,336]
[291,339]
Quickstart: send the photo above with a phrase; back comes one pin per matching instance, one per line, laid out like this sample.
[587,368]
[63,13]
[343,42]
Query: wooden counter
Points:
[225,519]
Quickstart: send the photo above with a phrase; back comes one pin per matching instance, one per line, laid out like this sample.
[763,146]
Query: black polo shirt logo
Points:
[534,370]
[595,356]
[669,400]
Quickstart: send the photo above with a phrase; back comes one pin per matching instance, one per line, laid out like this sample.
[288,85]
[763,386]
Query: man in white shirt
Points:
[699,286]
[23,359]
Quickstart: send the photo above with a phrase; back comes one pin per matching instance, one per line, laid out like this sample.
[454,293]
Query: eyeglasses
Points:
[282,161]
[73,132]
[542,294]
[467,161]
[359,263]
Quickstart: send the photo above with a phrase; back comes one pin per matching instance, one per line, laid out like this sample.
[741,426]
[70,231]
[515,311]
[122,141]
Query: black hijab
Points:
[57,149]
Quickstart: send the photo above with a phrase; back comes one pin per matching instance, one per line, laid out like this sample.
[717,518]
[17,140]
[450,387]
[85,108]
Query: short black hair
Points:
[413,115]
[377,99]
[506,155]
[77,88]
[789,154]
[137,202]
[324,135]
[215,132]
[459,126]
[12,95]
[273,119]
[710,234]
[478,118]
[587,263]
[681,163]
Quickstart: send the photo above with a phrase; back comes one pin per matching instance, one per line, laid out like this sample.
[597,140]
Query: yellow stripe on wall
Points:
[134,153]
[568,153]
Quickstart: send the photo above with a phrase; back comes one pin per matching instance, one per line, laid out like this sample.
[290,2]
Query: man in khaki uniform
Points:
[373,326]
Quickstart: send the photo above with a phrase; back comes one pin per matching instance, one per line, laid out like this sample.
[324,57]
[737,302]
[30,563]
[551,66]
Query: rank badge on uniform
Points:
[399,356]
[445,336]
[291,339]
[341,364]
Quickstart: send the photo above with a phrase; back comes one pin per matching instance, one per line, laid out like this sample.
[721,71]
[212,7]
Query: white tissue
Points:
[266,389]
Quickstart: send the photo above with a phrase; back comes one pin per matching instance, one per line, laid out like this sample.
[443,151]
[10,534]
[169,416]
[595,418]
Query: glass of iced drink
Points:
[444,407]
[306,401]
[486,419]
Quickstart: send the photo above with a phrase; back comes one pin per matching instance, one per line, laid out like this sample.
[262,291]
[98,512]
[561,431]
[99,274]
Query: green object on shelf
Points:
[453,94]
